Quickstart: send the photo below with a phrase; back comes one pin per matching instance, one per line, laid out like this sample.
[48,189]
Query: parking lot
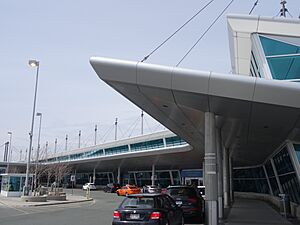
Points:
[99,211]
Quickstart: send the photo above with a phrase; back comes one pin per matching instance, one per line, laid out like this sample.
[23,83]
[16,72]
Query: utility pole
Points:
[55,145]
[116,128]
[142,127]
[96,134]
[79,135]
[46,151]
[9,151]
[20,156]
[283,10]
[5,151]
[66,146]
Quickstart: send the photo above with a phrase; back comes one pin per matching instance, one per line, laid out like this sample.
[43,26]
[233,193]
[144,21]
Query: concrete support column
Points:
[211,179]
[171,177]
[119,175]
[94,176]
[220,173]
[226,178]
[231,180]
[153,175]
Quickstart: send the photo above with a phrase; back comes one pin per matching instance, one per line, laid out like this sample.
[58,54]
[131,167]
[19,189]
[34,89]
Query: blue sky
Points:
[64,34]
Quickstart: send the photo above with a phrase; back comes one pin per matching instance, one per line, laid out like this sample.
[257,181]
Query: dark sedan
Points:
[188,199]
[112,187]
[154,209]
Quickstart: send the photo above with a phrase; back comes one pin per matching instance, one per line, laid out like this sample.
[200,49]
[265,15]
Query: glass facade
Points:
[116,150]
[147,145]
[297,150]
[272,178]
[142,178]
[174,141]
[14,183]
[283,58]
[141,146]
[250,180]
[287,175]
[254,179]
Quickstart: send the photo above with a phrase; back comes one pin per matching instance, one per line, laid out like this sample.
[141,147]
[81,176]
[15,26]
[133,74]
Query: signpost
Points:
[72,180]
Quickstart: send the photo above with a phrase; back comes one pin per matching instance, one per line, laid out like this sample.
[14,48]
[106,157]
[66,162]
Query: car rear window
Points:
[190,192]
[138,202]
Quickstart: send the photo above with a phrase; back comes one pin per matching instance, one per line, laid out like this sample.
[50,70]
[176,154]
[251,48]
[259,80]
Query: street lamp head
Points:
[33,63]
[10,133]
[38,114]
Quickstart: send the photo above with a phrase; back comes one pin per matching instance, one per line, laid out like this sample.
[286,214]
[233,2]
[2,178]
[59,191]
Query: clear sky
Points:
[64,34]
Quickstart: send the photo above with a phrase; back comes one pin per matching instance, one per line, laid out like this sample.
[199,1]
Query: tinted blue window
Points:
[147,145]
[282,64]
[297,149]
[173,141]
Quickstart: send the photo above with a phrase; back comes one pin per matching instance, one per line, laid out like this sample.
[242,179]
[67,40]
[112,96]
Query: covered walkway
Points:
[254,212]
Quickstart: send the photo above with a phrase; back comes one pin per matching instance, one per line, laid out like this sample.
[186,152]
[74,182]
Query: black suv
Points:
[188,199]
[151,209]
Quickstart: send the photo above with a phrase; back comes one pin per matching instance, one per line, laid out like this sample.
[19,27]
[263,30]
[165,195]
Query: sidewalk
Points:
[16,201]
[254,212]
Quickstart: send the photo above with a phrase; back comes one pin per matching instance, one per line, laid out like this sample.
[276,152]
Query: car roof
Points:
[180,186]
[146,195]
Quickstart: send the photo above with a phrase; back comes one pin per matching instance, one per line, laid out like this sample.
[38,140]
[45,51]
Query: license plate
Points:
[134,216]
[179,202]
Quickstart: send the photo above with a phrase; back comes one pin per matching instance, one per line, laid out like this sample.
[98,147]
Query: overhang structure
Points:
[255,115]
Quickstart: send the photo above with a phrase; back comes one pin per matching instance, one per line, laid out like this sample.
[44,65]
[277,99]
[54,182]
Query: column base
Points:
[220,207]
[211,212]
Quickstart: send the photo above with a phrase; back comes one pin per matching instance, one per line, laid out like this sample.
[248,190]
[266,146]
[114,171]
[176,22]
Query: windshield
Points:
[190,192]
[138,202]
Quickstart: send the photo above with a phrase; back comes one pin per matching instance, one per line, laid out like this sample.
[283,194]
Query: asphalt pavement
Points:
[99,211]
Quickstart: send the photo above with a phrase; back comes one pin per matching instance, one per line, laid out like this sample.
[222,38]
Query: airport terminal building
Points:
[244,126]
[232,132]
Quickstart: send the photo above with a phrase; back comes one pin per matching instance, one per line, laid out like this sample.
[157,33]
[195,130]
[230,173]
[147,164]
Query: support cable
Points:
[146,57]
[205,32]
[255,4]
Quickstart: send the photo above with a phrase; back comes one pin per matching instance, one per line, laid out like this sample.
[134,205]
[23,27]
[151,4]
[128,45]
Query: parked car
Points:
[91,186]
[151,189]
[112,187]
[154,209]
[128,190]
[188,199]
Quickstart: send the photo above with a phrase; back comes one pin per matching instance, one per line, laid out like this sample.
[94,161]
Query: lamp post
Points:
[9,151]
[37,151]
[32,63]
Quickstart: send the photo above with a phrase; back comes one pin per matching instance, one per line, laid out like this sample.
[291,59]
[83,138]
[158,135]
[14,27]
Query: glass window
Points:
[297,149]
[116,150]
[283,162]
[173,141]
[138,202]
[250,180]
[283,58]
[147,145]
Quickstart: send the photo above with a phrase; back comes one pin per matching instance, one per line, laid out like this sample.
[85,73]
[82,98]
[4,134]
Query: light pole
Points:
[96,134]
[9,151]
[37,151]
[32,63]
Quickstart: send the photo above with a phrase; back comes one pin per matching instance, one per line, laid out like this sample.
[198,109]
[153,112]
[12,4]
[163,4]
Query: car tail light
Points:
[155,216]
[193,200]
[116,215]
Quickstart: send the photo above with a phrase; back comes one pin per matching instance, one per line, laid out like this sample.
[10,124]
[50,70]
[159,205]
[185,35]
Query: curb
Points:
[60,203]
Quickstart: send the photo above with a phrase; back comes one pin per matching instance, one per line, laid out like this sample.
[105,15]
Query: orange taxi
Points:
[128,190]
